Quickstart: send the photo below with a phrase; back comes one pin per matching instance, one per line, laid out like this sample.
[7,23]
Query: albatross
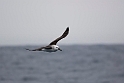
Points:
[52,47]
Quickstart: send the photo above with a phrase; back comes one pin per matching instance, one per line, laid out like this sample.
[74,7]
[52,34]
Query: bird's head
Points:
[57,47]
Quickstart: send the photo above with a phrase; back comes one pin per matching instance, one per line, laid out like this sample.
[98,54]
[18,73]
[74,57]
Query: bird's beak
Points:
[59,49]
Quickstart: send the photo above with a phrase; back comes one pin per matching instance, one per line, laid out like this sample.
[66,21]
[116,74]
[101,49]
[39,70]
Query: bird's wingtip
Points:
[67,28]
[27,49]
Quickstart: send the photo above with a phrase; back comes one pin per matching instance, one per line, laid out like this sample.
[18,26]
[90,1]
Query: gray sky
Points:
[27,22]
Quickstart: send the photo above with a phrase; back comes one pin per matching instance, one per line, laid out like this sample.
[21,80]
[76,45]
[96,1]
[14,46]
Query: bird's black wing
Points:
[48,47]
[61,37]
[38,49]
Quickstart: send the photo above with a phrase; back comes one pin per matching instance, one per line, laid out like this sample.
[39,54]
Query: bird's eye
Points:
[57,47]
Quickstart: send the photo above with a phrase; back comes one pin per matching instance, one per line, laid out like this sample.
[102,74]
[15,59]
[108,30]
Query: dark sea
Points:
[75,64]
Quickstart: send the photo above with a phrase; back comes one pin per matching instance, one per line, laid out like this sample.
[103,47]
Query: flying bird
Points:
[52,47]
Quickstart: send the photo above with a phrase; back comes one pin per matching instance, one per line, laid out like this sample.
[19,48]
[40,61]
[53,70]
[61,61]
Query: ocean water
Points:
[75,64]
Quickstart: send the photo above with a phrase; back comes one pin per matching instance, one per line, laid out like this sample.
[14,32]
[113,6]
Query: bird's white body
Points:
[54,49]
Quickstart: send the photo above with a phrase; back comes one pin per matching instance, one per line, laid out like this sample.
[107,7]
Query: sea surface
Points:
[75,64]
